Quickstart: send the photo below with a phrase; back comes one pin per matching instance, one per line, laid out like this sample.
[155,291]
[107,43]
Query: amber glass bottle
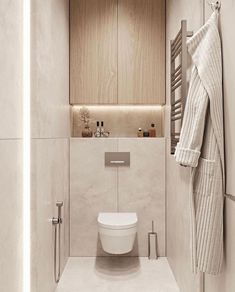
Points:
[152,131]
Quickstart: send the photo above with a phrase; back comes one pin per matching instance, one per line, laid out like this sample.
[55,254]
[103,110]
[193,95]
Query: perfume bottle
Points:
[98,130]
[102,131]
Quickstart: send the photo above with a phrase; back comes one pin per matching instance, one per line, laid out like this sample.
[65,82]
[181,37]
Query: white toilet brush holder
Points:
[152,244]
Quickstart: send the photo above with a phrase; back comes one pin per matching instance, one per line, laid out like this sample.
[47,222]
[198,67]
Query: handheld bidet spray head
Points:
[60,205]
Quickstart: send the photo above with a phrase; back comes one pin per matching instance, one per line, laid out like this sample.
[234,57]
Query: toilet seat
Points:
[117,221]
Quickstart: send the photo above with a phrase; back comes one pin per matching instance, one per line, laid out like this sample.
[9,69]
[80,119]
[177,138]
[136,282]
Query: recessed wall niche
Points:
[120,121]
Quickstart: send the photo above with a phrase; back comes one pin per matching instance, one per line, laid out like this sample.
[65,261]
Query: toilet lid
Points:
[117,220]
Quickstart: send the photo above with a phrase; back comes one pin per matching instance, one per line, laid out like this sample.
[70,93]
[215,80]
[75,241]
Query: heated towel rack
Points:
[178,81]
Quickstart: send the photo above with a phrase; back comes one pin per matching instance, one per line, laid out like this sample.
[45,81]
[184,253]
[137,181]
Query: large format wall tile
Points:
[50,183]
[50,126]
[225,282]
[50,68]
[11,69]
[11,146]
[178,225]
[228,43]
[141,189]
[11,216]
[93,189]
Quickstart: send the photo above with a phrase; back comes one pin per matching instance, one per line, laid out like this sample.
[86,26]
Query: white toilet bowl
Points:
[117,232]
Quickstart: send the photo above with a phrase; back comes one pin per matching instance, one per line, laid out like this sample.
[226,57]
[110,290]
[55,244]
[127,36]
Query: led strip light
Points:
[120,107]
[26,146]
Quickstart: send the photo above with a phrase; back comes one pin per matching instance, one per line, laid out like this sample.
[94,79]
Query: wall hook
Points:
[215,6]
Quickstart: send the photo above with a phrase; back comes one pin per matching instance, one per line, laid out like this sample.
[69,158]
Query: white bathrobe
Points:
[201,147]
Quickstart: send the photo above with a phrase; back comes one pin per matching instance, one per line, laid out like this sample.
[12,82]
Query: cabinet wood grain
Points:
[93,51]
[141,51]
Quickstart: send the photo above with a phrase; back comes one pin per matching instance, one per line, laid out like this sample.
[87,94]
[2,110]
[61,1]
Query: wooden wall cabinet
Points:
[117,52]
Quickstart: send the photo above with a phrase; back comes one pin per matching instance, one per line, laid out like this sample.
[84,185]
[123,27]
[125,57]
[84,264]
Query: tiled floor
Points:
[112,274]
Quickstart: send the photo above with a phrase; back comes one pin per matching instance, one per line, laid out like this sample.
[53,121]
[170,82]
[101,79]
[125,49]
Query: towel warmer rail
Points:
[178,81]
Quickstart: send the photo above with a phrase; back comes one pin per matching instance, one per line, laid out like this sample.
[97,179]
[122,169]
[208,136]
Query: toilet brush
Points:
[152,244]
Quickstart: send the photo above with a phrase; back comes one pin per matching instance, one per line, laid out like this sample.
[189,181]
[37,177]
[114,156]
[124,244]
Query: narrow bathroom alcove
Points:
[117,76]
[110,205]
[100,80]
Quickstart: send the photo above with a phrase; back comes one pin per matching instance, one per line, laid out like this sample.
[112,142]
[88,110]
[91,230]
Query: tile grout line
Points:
[118,209]
[11,139]
[117,50]
[50,138]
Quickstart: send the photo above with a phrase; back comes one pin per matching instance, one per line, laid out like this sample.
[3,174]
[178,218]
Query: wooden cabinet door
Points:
[93,51]
[141,51]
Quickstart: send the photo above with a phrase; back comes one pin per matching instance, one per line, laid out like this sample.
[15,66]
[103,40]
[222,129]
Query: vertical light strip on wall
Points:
[26,146]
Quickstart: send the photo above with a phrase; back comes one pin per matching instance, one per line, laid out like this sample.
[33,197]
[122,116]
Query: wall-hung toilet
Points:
[117,232]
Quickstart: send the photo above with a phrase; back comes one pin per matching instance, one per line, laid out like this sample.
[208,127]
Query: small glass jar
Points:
[140,133]
[146,133]
[87,132]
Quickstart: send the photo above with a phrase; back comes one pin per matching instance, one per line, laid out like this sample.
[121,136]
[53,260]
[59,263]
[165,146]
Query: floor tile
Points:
[117,274]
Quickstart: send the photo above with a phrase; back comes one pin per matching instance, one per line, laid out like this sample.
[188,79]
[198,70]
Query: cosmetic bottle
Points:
[152,131]
[102,132]
[140,133]
[98,130]
[146,133]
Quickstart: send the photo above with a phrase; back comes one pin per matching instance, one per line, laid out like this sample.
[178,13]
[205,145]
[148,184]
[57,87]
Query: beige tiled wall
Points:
[50,181]
[225,282]
[50,68]
[141,188]
[95,188]
[11,261]
[121,121]
[11,69]
[50,130]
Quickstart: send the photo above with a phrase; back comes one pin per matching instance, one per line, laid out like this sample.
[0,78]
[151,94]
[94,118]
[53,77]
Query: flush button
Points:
[114,159]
